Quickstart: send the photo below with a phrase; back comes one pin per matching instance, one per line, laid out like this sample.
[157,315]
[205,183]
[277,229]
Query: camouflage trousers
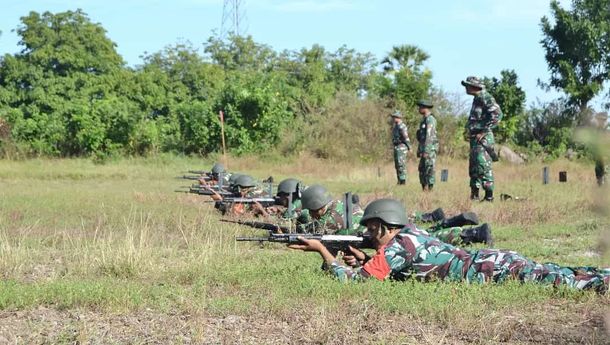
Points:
[400,162]
[426,169]
[447,235]
[500,265]
[479,164]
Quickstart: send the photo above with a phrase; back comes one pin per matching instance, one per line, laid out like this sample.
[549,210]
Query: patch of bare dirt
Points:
[50,326]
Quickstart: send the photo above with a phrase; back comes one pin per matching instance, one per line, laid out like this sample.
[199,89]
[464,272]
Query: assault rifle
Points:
[259,225]
[333,243]
[264,201]
[201,191]
[490,151]
[194,177]
[199,172]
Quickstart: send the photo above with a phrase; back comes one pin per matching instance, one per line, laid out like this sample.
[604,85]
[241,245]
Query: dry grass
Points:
[109,254]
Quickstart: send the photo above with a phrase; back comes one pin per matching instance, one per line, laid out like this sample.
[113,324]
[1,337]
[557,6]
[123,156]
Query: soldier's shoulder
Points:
[487,97]
[430,119]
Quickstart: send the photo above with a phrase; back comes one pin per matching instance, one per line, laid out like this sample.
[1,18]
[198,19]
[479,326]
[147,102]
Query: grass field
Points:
[110,254]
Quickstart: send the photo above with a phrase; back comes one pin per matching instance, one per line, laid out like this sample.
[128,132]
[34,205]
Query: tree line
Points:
[69,93]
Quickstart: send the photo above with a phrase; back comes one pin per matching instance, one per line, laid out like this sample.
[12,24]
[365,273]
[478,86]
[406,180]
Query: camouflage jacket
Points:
[296,212]
[400,135]
[485,114]
[332,221]
[413,254]
[426,136]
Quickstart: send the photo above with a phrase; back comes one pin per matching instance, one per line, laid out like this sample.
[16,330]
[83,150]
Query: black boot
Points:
[466,218]
[401,181]
[489,196]
[430,187]
[474,193]
[479,234]
[434,216]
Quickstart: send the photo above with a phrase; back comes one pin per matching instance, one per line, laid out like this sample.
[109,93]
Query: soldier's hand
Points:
[355,258]
[351,260]
[479,136]
[424,155]
[308,245]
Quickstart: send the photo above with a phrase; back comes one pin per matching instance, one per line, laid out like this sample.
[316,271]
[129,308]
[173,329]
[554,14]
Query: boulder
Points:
[509,155]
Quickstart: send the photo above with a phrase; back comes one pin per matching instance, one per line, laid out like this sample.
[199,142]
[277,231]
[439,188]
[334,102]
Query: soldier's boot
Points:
[430,187]
[434,216]
[462,219]
[474,193]
[401,181]
[479,234]
[489,196]
[424,187]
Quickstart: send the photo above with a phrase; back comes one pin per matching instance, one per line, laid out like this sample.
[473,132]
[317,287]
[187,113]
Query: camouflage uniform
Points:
[297,212]
[428,144]
[331,222]
[415,254]
[402,144]
[484,116]
[447,235]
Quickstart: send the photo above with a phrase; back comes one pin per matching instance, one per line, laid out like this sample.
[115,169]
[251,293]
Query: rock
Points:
[509,155]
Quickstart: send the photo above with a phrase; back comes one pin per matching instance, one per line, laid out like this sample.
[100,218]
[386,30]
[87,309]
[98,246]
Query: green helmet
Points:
[232,179]
[315,197]
[289,186]
[389,211]
[244,181]
[218,168]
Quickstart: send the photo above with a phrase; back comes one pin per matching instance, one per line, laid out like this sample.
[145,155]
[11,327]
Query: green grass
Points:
[113,239]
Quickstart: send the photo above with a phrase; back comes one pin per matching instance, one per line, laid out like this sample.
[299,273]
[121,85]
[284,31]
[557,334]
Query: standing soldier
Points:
[428,144]
[484,116]
[402,145]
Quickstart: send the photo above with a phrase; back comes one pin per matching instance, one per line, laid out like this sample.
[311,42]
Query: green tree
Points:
[409,80]
[577,46]
[511,99]
[350,70]
[66,67]
[239,53]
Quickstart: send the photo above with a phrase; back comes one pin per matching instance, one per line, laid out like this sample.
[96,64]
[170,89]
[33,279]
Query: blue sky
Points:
[462,37]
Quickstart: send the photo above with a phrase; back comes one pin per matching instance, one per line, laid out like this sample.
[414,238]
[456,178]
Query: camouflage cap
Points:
[396,113]
[424,103]
[473,81]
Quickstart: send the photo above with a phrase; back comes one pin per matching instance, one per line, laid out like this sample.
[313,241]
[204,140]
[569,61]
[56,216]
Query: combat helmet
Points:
[289,186]
[232,179]
[315,197]
[389,211]
[218,168]
[244,181]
